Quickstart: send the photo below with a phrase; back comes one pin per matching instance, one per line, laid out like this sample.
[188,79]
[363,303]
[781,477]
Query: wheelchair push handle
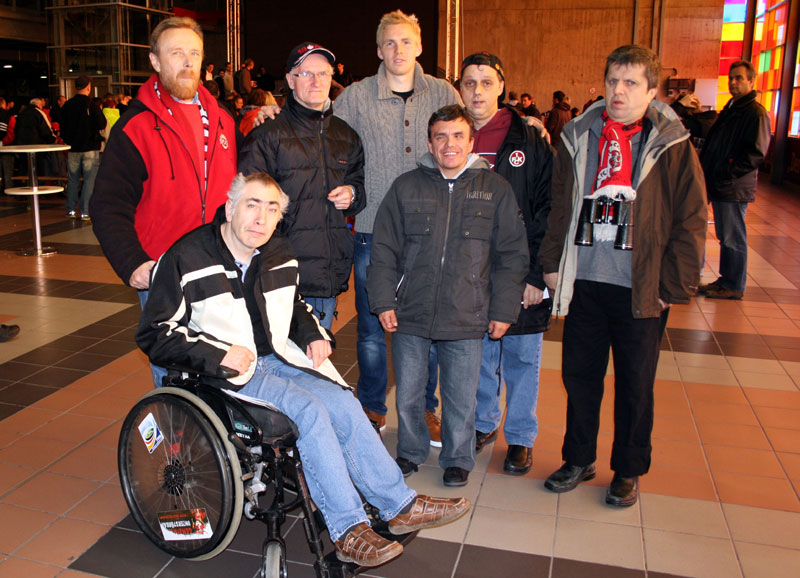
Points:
[224,372]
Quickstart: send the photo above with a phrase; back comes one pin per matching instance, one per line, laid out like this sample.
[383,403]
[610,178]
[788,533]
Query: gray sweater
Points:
[394,134]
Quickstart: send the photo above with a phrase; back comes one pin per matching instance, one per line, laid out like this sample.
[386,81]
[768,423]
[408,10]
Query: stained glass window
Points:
[733,19]
[769,42]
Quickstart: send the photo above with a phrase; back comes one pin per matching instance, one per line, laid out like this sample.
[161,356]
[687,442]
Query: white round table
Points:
[34,190]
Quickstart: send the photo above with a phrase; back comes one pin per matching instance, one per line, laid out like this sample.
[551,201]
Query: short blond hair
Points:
[398,17]
[169,24]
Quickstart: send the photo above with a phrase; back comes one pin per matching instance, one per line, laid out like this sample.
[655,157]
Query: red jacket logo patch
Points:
[517,159]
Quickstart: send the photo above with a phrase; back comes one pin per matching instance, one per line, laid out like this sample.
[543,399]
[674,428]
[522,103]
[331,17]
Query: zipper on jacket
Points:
[450,185]
[166,148]
[321,137]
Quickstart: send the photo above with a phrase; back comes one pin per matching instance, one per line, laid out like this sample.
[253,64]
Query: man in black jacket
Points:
[317,159]
[733,151]
[517,152]
[449,257]
[81,123]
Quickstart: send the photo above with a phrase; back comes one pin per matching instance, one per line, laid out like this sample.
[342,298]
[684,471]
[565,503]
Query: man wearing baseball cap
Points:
[514,150]
[318,161]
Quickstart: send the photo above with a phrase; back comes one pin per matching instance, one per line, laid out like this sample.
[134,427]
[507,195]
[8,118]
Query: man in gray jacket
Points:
[449,259]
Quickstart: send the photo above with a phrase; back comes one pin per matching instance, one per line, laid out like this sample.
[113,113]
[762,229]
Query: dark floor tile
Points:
[123,554]
[651,574]
[689,334]
[226,564]
[755,351]
[128,334]
[575,569]
[750,339]
[127,523]
[481,562]
[782,342]
[73,343]
[786,299]
[112,347]
[25,393]
[55,376]
[85,361]
[105,292]
[43,356]
[344,357]
[96,330]
[425,557]
[688,346]
[14,370]
[786,354]
[124,318]
[7,409]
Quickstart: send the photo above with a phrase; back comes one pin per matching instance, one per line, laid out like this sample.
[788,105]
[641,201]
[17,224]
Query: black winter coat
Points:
[32,128]
[735,147]
[81,123]
[310,153]
[526,161]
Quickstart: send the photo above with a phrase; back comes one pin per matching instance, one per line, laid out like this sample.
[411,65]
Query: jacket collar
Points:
[428,164]
[385,92]
[304,114]
[744,101]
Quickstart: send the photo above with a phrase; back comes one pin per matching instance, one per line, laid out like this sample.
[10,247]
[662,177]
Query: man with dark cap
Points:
[515,151]
[81,123]
[318,161]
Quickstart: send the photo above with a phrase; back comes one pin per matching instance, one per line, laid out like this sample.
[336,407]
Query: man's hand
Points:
[551,280]
[388,321]
[140,278]
[531,296]
[238,358]
[268,111]
[318,351]
[664,304]
[539,126]
[691,102]
[497,329]
[341,197]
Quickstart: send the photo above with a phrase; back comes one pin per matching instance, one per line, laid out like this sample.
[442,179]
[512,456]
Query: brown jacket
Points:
[670,215]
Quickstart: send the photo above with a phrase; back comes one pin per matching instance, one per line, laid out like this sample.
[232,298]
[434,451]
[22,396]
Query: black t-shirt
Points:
[259,334]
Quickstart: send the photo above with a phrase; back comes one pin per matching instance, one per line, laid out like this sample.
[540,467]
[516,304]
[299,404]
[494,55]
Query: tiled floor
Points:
[721,498]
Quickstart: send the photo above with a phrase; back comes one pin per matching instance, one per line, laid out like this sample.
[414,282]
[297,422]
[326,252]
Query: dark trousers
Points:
[600,318]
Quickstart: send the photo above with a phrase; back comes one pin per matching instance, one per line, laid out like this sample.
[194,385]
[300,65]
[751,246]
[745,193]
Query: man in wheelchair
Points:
[224,297]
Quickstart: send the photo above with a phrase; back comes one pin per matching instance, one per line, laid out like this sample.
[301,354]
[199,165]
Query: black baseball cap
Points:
[484,59]
[302,51]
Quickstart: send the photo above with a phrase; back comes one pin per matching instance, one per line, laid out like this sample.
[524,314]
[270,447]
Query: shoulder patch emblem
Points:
[517,159]
[223,141]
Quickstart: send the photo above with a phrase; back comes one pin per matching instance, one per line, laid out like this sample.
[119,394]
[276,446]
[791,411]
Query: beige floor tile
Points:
[35,452]
[761,561]
[515,493]
[104,406]
[50,493]
[587,502]
[769,366]
[12,476]
[516,531]
[551,355]
[73,428]
[763,526]
[63,542]
[15,567]
[664,371]
[707,375]
[62,400]
[700,360]
[687,554]
[601,543]
[105,506]
[27,420]
[88,462]
[20,525]
[765,381]
[690,516]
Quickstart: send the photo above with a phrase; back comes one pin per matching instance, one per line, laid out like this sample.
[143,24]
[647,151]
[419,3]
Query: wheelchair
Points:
[194,459]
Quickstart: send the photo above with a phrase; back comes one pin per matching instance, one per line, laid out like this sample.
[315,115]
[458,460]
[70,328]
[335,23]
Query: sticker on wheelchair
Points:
[185,525]
[150,433]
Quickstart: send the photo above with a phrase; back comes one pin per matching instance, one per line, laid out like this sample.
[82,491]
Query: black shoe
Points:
[567,477]
[623,491]
[407,466]
[518,460]
[481,439]
[703,289]
[454,476]
[8,332]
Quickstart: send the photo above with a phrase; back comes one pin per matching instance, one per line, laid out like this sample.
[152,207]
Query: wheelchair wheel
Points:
[180,475]
[273,563]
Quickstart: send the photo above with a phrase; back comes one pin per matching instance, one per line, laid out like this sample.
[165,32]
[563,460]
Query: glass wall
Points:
[769,42]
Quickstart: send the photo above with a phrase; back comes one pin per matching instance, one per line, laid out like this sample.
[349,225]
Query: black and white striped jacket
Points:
[196,308]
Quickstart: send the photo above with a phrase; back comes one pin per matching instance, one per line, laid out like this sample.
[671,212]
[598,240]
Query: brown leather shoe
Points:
[434,428]
[429,512]
[723,293]
[378,420]
[364,547]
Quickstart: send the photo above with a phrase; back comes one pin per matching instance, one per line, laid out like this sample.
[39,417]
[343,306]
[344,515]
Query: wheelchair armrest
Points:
[174,377]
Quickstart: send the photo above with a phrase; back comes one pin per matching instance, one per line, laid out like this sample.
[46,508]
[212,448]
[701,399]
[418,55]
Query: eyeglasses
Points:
[322,75]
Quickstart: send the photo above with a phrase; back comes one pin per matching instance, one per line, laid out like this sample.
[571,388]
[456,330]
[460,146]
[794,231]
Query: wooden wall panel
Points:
[547,46]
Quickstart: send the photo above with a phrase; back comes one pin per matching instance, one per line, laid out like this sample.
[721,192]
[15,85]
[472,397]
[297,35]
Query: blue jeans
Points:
[159,373]
[324,309]
[513,360]
[371,344]
[732,234]
[337,444]
[459,364]
[85,163]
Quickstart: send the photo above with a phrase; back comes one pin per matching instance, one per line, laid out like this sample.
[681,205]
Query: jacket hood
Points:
[473,162]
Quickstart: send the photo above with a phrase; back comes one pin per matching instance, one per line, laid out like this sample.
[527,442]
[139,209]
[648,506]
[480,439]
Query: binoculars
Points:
[607,211]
